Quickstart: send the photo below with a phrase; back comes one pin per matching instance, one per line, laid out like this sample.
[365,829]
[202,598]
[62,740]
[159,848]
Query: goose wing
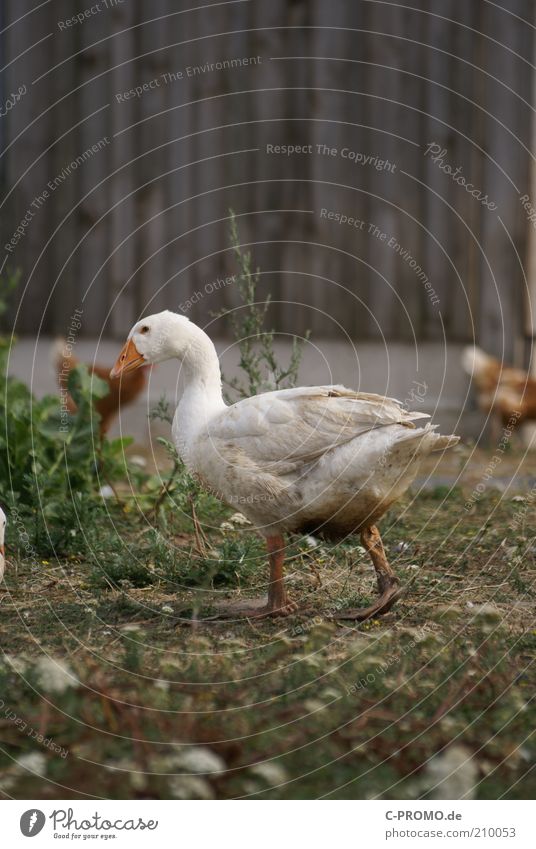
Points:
[281,431]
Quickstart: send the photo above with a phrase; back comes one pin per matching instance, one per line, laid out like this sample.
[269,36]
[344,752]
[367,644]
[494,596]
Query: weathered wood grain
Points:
[146,218]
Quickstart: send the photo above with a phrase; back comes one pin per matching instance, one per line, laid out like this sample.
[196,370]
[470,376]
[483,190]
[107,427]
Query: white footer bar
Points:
[237,824]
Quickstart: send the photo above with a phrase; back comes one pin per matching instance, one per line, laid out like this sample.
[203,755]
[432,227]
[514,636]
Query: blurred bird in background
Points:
[508,393]
[122,391]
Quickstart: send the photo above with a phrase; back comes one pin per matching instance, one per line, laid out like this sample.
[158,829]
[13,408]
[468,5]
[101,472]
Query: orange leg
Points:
[388,584]
[277,603]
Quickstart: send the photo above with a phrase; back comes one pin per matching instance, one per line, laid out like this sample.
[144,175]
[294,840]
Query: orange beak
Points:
[129,359]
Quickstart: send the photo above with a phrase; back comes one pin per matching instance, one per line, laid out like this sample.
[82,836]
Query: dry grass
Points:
[326,709]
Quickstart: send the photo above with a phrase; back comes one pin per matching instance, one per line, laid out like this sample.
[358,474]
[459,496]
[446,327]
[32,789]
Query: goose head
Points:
[165,336]
[3,521]
[152,340]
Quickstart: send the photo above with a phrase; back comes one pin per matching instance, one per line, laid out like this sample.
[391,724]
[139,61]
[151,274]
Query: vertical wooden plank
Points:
[501,294]
[467,147]
[440,130]
[152,135]
[67,295]
[388,121]
[289,269]
[93,223]
[177,286]
[330,108]
[298,292]
[124,76]
[210,111]
[241,111]
[272,104]
[24,155]
[410,196]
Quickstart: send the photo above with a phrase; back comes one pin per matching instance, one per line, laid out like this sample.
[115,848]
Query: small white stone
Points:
[250,787]
[138,780]
[190,787]
[54,675]
[7,782]
[138,460]
[200,759]
[18,664]
[33,762]
[330,693]
[106,491]
[489,613]
[452,774]
[272,773]
[239,519]
[314,705]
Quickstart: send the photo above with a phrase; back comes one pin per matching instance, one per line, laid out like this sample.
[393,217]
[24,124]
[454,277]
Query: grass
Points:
[155,704]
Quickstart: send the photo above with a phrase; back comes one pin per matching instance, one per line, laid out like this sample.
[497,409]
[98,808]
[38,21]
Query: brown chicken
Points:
[123,391]
[510,393]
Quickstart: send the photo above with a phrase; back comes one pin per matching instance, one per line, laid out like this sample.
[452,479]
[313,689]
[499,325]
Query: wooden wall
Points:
[141,225]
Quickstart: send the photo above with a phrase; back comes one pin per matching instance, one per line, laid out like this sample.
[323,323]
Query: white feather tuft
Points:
[475,361]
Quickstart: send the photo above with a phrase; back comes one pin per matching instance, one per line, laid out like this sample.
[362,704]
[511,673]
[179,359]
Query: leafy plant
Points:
[235,560]
[8,283]
[46,454]
[258,359]
[177,478]
[52,462]
[115,564]
[162,411]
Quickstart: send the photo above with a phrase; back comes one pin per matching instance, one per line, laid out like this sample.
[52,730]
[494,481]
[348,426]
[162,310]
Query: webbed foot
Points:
[387,599]
[255,608]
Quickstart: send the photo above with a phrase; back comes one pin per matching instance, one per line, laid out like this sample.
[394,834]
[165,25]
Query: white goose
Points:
[319,459]
[3,522]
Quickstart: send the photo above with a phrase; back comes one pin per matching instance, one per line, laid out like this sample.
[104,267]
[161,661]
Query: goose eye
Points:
[144,329]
